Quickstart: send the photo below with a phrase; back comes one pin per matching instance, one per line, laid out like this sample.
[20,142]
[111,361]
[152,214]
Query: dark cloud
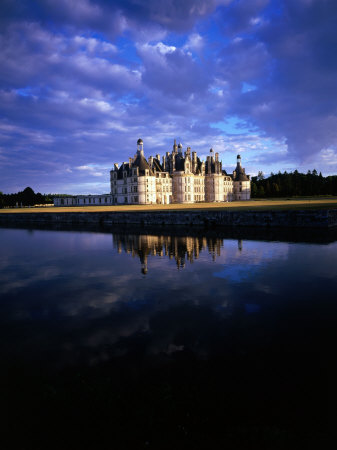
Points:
[110,16]
[80,81]
[290,58]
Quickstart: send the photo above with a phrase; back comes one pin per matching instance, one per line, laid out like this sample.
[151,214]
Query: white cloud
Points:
[160,47]
[94,45]
[194,42]
[91,170]
[328,156]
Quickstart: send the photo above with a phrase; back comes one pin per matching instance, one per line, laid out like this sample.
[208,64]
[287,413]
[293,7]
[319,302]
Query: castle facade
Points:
[176,178]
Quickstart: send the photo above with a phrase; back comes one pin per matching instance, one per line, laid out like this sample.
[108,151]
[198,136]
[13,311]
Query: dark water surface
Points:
[120,340]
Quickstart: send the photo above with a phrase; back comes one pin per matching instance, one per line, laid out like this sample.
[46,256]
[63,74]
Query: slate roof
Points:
[142,164]
[124,166]
[240,174]
[157,165]
[180,162]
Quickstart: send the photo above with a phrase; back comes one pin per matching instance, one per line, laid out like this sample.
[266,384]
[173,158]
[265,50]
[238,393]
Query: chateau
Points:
[176,178]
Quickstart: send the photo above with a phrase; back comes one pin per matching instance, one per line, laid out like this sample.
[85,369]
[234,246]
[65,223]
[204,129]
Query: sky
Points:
[82,80]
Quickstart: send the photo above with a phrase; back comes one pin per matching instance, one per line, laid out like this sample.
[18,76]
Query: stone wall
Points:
[309,218]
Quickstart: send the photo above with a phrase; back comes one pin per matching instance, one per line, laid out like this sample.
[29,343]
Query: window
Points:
[100,200]
[106,200]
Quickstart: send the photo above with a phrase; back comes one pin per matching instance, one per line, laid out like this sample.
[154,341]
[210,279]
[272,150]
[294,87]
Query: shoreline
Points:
[216,218]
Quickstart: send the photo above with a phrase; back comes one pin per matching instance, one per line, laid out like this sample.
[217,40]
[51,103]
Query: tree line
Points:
[27,197]
[293,184]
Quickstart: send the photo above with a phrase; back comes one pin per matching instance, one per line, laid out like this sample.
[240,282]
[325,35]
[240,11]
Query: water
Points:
[148,341]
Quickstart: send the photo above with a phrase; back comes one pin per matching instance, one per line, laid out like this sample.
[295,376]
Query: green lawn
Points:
[260,204]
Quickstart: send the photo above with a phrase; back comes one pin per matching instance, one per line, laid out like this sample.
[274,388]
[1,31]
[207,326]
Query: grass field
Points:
[262,204]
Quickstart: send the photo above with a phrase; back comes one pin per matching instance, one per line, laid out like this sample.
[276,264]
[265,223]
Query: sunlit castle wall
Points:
[214,178]
[163,188]
[147,189]
[134,182]
[228,188]
[183,176]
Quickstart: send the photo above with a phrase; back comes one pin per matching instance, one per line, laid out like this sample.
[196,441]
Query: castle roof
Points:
[180,162]
[142,164]
[157,165]
[240,174]
[123,167]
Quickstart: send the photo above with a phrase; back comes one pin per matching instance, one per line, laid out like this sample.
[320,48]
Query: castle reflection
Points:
[181,248]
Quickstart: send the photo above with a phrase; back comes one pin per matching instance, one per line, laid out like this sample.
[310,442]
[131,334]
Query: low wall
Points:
[308,218]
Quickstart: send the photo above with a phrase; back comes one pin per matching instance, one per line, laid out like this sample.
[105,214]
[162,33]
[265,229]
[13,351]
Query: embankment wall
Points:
[308,218]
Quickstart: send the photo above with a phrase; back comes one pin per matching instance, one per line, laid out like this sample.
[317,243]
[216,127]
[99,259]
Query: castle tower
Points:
[140,149]
[241,181]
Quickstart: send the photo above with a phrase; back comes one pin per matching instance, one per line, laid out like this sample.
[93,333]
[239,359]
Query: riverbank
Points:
[199,218]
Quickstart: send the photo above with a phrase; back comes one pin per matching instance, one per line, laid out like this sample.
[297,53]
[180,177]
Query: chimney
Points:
[209,160]
[217,157]
[130,162]
[158,157]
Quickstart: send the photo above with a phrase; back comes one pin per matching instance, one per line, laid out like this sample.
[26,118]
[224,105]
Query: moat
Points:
[167,341]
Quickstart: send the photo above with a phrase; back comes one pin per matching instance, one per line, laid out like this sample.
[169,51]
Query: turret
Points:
[140,149]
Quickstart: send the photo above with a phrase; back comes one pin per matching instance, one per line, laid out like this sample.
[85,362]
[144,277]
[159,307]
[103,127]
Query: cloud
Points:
[81,81]
[91,170]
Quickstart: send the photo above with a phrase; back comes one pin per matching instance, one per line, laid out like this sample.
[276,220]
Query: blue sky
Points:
[82,80]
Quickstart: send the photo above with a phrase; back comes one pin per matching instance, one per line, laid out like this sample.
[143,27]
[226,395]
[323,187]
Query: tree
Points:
[260,175]
[260,192]
[27,197]
[276,189]
[253,188]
